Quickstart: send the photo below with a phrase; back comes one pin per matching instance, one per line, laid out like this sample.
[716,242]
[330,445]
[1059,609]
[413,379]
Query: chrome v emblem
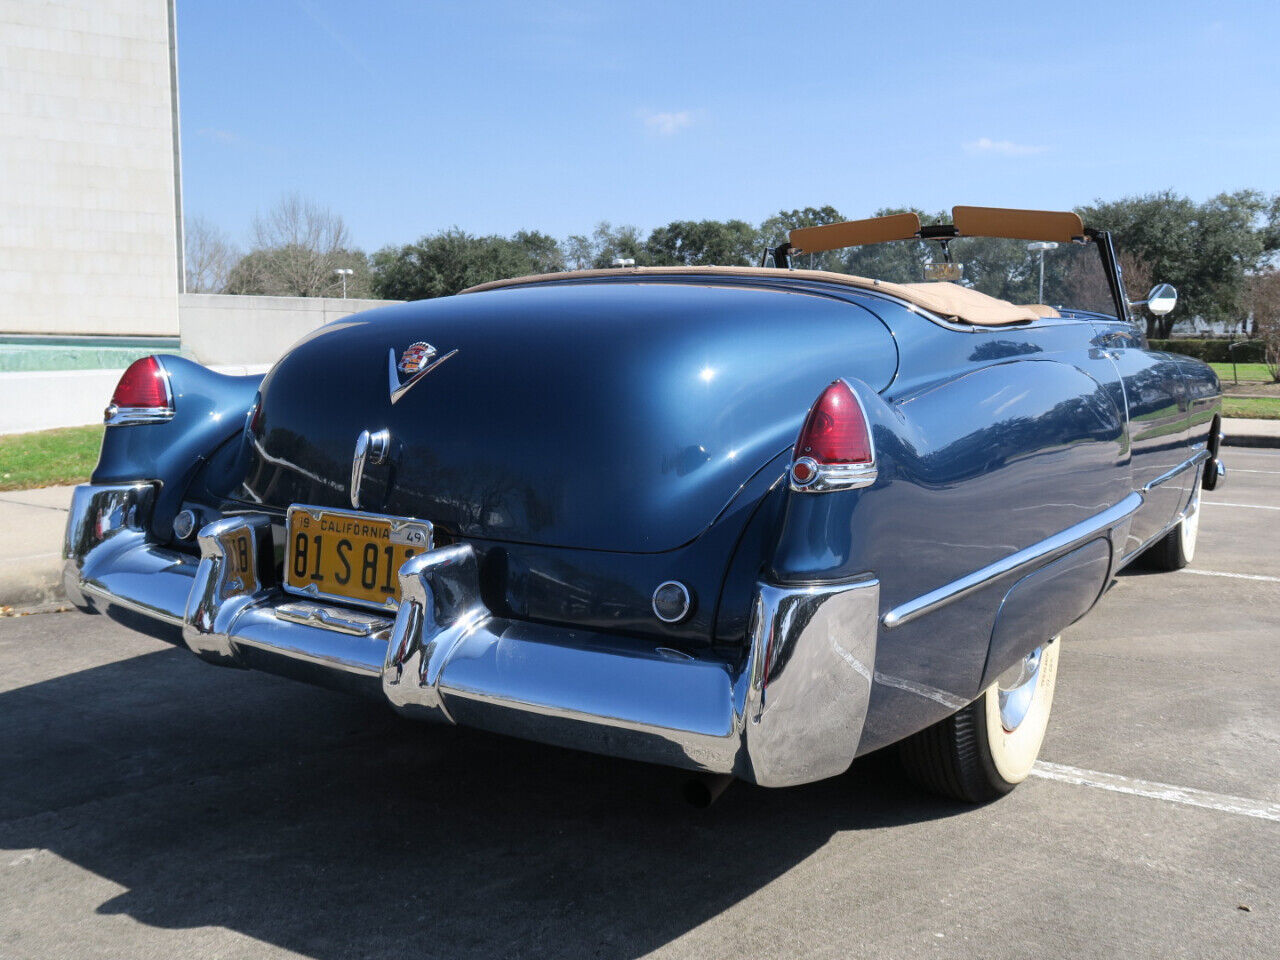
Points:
[398,389]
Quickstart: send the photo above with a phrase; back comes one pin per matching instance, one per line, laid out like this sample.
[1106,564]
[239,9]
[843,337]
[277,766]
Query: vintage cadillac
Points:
[752,522]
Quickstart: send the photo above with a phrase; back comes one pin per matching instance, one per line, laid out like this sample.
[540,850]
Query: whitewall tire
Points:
[1177,548]
[985,750]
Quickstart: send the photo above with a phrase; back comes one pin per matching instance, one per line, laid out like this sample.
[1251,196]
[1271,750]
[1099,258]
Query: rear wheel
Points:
[1177,548]
[989,747]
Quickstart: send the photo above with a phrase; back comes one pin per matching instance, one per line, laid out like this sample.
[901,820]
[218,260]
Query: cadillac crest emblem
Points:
[415,357]
[417,360]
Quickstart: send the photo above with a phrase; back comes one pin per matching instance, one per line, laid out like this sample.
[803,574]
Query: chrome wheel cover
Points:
[1015,689]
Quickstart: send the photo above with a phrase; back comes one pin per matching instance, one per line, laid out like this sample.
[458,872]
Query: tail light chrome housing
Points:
[834,450]
[143,395]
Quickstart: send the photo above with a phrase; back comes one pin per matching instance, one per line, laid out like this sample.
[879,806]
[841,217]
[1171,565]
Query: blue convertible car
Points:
[753,522]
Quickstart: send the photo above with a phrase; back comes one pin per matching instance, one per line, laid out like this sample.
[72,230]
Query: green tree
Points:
[901,261]
[690,243]
[1204,249]
[447,262]
[542,251]
[579,252]
[775,229]
[609,243]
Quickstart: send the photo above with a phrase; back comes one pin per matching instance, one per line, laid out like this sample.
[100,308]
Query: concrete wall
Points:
[221,329]
[89,230]
[235,335]
[44,399]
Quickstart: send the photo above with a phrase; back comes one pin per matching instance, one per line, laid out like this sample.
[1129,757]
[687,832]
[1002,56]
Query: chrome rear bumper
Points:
[791,711]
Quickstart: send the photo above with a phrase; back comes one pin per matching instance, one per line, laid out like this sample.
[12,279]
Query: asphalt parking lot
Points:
[153,806]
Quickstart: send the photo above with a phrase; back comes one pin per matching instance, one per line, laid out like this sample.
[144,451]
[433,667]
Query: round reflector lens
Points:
[671,601]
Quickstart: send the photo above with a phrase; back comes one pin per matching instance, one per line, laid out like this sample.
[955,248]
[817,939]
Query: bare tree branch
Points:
[209,256]
[297,246]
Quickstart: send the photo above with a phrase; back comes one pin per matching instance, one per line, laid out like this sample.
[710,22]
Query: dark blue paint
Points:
[619,417]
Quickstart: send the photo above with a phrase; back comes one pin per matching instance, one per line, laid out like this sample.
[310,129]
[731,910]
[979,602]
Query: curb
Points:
[1250,440]
[33,585]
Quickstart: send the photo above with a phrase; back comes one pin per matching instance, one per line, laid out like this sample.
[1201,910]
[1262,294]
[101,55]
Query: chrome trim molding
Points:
[791,711]
[224,588]
[370,448]
[834,476]
[685,607]
[131,416]
[1194,461]
[1037,553]
[338,619]
[106,558]
[811,662]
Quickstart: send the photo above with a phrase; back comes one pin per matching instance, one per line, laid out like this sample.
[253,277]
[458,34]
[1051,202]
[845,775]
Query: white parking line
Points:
[1234,576]
[1243,470]
[1251,506]
[1157,791]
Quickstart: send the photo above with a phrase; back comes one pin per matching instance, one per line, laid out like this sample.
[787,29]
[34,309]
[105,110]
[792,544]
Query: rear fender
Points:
[970,470]
[209,409]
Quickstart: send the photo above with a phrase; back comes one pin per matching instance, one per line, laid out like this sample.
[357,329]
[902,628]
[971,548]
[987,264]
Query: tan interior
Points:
[948,300]
[1059,225]
[1043,309]
[854,233]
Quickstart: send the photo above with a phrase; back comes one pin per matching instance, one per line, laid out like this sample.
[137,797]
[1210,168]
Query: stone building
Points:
[90,183]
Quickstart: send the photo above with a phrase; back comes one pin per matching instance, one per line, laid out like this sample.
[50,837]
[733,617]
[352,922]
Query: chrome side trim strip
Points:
[1046,549]
[1187,464]
[1133,554]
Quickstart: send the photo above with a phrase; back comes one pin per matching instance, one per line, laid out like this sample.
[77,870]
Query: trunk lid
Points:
[618,416]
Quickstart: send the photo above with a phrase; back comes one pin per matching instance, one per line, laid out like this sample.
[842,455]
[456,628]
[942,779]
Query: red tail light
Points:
[834,451]
[142,395]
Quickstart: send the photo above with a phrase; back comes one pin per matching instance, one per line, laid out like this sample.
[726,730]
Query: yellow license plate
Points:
[349,555]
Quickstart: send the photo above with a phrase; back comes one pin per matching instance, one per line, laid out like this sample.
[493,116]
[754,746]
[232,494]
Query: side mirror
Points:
[1162,299]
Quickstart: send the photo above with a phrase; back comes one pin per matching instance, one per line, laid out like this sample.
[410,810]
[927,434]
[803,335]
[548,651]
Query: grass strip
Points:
[47,458]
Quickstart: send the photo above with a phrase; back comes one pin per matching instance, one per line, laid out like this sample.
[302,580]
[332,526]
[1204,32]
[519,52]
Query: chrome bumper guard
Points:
[790,712]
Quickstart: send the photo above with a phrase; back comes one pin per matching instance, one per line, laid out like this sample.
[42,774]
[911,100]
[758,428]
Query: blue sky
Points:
[409,117]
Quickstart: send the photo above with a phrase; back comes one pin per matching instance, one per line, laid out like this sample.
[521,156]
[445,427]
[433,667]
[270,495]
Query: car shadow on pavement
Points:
[326,825]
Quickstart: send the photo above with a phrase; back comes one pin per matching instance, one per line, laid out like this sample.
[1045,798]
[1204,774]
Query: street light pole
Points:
[344,273]
[1040,246]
